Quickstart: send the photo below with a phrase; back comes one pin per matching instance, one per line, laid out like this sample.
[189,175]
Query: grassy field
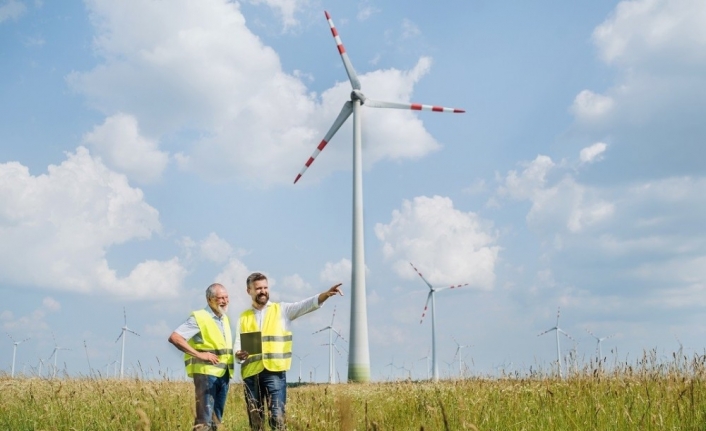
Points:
[643,396]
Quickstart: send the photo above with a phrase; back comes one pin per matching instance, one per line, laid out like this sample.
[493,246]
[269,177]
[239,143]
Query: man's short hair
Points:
[211,290]
[255,276]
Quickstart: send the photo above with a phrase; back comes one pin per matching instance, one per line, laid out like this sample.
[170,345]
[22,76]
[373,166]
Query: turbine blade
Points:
[420,274]
[569,336]
[352,76]
[130,330]
[121,334]
[413,106]
[425,306]
[323,329]
[334,315]
[548,330]
[342,117]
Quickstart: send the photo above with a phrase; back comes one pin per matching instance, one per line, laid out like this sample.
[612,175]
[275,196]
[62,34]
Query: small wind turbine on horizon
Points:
[459,349]
[55,354]
[300,364]
[430,296]
[359,355]
[331,346]
[558,350]
[599,340]
[14,352]
[427,357]
[122,335]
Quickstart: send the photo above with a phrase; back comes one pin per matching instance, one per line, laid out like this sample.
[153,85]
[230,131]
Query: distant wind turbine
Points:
[359,355]
[331,346]
[122,335]
[459,349]
[430,297]
[599,340]
[14,352]
[55,354]
[427,357]
[558,350]
[300,364]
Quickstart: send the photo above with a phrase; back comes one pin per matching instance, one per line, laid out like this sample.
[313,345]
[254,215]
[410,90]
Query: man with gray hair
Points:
[207,343]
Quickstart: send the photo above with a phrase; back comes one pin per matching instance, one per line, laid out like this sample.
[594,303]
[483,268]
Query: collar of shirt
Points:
[208,308]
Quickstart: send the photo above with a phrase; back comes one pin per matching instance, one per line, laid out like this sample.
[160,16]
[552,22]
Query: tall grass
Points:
[645,395]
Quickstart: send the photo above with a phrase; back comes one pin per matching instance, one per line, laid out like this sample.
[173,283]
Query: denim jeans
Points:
[270,388]
[211,393]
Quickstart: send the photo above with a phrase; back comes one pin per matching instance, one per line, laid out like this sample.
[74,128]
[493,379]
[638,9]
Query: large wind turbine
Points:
[359,354]
[14,352]
[122,335]
[430,296]
[331,347]
[558,350]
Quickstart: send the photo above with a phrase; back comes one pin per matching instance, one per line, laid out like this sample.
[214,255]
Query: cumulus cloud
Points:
[67,219]
[11,9]
[286,9]
[175,69]
[34,323]
[336,272]
[593,153]
[563,203]
[653,111]
[215,248]
[120,145]
[448,245]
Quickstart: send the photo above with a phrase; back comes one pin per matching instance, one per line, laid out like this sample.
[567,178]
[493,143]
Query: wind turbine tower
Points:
[430,297]
[558,350]
[359,354]
[331,347]
[14,352]
[122,335]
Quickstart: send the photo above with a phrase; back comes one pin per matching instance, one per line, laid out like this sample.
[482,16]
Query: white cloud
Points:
[12,9]
[640,30]
[337,272]
[449,246]
[294,288]
[120,145]
[287,9]
[34,323]
[174,67]
[233,276]
[593,153]
[589,105]
[67,219]
[559,206]
[215,248]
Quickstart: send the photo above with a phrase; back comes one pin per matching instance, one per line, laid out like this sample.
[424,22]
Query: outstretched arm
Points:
[334,290]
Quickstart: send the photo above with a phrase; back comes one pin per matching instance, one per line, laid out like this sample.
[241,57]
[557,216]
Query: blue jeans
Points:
[211,393]
[270,388]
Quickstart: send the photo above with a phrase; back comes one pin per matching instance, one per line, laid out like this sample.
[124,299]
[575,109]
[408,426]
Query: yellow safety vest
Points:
[276,342]
[211,340]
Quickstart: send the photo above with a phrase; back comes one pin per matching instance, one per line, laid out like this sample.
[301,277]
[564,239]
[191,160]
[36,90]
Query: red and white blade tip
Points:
[420,107]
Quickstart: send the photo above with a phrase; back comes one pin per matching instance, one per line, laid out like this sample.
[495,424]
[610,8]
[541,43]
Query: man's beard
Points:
[262,298]
[223,309]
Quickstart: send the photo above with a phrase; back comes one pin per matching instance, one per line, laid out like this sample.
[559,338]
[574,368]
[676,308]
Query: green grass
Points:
[644,396]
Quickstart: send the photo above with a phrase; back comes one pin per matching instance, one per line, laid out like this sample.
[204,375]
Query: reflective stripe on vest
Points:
[212,340]
[276,342]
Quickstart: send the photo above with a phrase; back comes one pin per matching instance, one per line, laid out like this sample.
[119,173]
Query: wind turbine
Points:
[599,340]
[427,359]
[55,354]
[359,355]
[14,352]
[459,349]
[331,346]
[558,330]
[300,364]
[430,296]
[122,335]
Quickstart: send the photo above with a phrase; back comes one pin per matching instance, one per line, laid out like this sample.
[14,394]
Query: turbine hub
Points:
[358,95]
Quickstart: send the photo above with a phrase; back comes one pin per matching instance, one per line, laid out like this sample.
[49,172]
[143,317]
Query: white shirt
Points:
[190,328]
[290,311]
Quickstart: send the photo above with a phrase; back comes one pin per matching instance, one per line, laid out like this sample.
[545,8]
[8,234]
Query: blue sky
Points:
[148,149]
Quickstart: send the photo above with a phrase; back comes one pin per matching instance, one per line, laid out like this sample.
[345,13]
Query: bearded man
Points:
[265,374]
[207,343]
